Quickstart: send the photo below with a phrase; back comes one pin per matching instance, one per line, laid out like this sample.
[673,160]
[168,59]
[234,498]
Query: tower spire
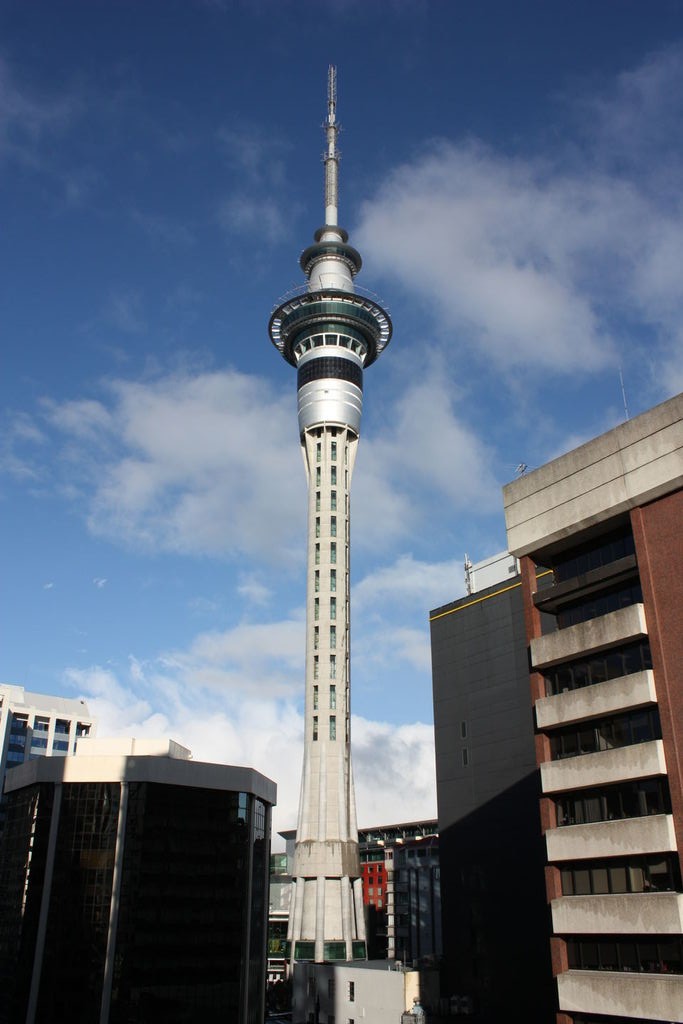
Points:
[331,157]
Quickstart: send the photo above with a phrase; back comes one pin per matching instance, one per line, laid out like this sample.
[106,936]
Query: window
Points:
[318,451]
[463,730]
[333,727]
[333,450]
[317,554]
[333,666]
[316,666]
[317,476]
[333,580]
[606,734]
[316,637]
[316,608]
[333,553]
[333,607]
[609,664]
[317,580]
[333,526]
[333,476]
[317,526]
[315,727]
[333,500]
[626,800]
[317,501]
[333,636]
[315,698]
[333,696]
[465,757]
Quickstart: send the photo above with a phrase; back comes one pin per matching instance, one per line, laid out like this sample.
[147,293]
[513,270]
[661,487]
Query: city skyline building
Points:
[602,527]
[38,725]
[330,333]
[134,887]
[488,786]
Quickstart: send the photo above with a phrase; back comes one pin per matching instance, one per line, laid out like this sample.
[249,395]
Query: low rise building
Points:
[134,888]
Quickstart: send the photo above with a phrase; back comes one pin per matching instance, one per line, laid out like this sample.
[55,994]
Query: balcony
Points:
[632,691]
[584,638]
[641,996]
[622,764]
[620,914]
[652,834]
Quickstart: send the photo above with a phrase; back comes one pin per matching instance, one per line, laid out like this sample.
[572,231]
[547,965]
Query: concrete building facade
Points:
[134,888]
[331,334]
[38,725]
[604,524]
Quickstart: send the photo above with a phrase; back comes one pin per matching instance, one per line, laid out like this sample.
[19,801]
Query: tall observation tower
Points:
[330,334]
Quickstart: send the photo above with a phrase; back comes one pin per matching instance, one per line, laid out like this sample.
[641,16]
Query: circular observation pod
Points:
[302,315]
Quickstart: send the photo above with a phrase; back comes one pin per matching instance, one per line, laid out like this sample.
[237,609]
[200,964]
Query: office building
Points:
[38,725]
[331,334]
[494,912]
[603,527]
[134,888]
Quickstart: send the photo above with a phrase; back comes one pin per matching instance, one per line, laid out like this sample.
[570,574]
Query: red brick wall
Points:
[658,533]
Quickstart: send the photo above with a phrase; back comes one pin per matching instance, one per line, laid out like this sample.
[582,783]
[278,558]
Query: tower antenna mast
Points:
[331,157]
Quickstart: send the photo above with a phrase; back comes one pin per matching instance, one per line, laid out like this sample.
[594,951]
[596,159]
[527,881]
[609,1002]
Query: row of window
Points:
[595,554]
[333,526]
[598,668]
[322,340]
[333,552]
[332,668]
[333,580]
[333,608]
[618,875]
[332,697]
[332,727]
[600,604]
[623,730]
[611,803]
[662,955]
[333,450]
[333,477]
[316,637]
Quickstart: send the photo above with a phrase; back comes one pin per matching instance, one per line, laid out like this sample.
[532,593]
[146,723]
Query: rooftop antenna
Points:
[623,393]
[331,157]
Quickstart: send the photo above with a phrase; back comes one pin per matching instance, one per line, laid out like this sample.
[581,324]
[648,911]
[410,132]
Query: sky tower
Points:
[330,334]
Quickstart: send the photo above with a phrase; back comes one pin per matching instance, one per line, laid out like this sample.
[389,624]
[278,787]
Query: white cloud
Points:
[551,264]
[411,583]
[394,765]
[424,454]
[27,119]
[188,463]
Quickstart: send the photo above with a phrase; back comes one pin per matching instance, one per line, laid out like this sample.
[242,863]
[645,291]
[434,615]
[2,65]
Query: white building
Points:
[377,991]
[38,725]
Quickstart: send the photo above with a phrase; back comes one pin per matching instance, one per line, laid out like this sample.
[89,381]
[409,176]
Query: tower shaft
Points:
[330,335]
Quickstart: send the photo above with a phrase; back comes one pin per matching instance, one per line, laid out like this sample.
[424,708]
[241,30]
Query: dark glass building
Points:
[134,889]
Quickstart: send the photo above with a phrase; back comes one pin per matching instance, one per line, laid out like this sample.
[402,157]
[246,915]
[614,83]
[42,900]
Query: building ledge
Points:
[621,764]
[632,691]
[587,637]
[622,994]
[619,914]
[627,837]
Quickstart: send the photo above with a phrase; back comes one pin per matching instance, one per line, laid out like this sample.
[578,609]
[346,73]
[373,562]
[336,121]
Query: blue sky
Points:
[512,176]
